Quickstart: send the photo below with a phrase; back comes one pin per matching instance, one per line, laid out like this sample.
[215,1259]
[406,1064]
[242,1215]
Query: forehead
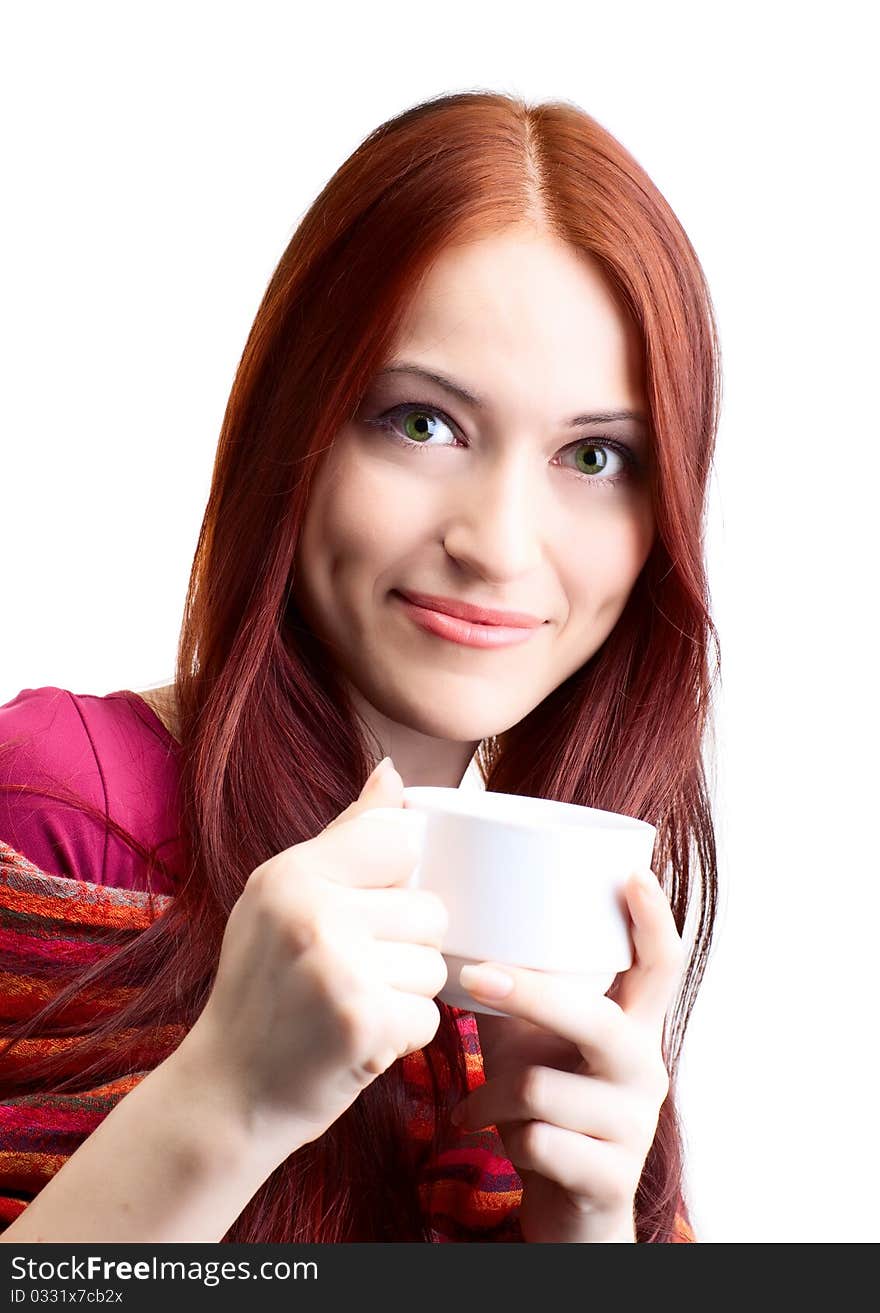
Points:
[520,310]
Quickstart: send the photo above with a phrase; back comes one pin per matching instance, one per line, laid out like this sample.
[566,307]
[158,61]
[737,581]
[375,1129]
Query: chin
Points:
[453,723]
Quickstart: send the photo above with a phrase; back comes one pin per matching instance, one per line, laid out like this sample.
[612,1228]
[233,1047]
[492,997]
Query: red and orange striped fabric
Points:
[470,1191]
[48,924]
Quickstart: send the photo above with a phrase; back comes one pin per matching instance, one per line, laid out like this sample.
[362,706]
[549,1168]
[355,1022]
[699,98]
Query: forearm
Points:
[170,1162]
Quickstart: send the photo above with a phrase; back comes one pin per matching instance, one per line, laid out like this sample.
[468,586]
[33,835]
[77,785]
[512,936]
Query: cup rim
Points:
[599,818]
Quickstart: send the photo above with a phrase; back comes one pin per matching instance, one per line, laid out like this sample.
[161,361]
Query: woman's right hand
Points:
[327,973]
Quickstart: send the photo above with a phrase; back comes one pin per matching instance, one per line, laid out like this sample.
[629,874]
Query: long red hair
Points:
[271,747]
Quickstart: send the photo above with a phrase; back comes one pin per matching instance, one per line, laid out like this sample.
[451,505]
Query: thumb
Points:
[383,787]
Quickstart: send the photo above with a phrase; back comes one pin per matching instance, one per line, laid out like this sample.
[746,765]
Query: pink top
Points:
[116,754]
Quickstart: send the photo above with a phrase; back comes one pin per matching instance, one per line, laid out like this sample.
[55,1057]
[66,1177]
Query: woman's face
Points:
[501,501]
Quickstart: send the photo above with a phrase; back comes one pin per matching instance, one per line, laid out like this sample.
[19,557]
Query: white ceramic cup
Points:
[530,882]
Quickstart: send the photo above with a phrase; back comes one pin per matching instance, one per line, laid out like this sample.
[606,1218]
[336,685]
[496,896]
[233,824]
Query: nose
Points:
[493,525]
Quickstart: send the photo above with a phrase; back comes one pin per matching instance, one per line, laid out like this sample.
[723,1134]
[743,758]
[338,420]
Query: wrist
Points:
[619,1229]
[228,1125]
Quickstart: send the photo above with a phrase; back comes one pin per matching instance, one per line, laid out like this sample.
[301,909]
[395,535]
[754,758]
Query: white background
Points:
[157,158]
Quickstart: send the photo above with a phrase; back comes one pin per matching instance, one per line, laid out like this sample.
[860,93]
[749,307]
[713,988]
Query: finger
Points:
[645,991]
[568,1006]
[409,967]
[379,846]
[413,1020]
[408,1023]
[376,840]
[587,1168]
[573,1101]
[383,787]
[418,916]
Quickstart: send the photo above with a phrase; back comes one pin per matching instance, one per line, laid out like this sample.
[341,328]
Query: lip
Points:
[477,615]
[466,632]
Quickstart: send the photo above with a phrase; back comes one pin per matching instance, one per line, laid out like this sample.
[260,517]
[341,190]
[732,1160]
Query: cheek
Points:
[359,513]
[606,560]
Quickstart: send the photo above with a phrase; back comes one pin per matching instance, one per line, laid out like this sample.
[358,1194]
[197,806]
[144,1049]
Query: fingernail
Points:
[487,982]
[382,769]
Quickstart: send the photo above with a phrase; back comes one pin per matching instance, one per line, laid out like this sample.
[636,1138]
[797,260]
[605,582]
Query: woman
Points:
[501,290]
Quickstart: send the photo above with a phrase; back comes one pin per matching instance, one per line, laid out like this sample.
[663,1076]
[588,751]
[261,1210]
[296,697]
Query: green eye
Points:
[597,458]
[417,425]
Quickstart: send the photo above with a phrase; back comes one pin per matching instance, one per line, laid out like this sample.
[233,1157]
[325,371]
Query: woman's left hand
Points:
[575,1081]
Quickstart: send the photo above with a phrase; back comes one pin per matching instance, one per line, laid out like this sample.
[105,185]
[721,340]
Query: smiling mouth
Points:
[475,613]
[468,633]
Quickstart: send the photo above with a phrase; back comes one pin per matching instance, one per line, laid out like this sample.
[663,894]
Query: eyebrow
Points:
[471,398]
